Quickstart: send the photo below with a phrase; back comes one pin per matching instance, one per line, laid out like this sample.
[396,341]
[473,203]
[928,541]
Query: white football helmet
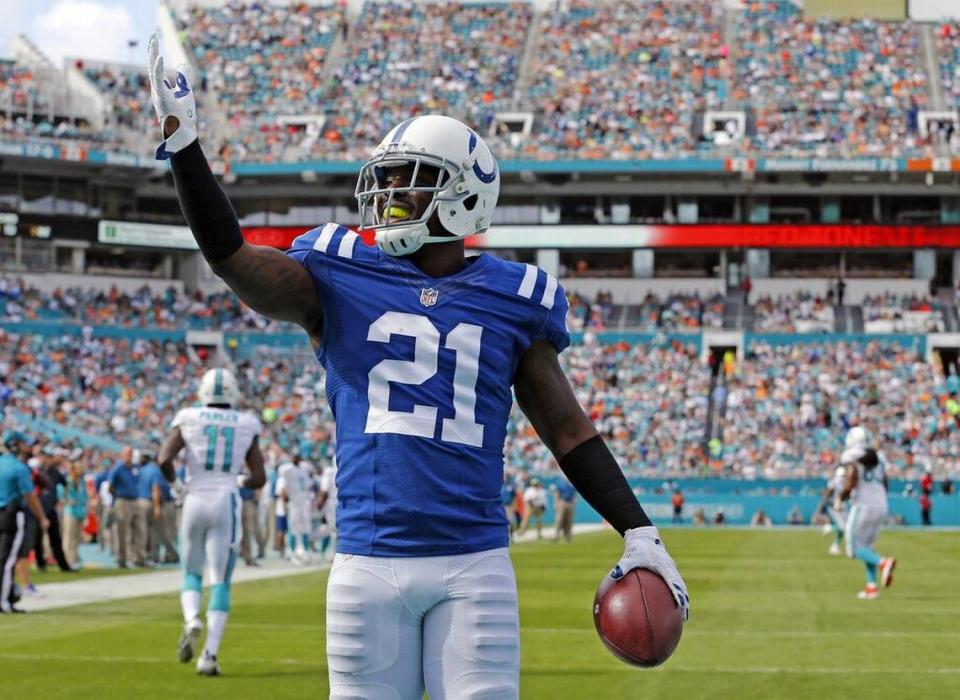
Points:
[218,386]
[464,194]
[858,437]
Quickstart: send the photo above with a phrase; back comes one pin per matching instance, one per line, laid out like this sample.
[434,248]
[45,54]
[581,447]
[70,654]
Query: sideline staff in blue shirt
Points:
[16,489]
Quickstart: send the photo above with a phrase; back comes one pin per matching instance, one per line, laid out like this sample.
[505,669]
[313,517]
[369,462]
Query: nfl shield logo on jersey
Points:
[428,297]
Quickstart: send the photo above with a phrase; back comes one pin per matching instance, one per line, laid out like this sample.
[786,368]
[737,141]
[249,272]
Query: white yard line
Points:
[110,588]
[673,668]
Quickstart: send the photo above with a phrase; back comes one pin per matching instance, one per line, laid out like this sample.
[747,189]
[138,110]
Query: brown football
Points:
[637,618]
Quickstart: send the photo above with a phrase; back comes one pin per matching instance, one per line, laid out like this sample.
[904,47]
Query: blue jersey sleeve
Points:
[554,329]
[24,481]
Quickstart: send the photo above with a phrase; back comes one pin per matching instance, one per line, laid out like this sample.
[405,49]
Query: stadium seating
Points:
[598,83]
[784,407]
[20,90]
[141,309]
[260,62]
[891,314]
[607,86]
[128,93]
[172,310]
[405,58]
[948,51]
[828,87]
[788,407]
[798,313]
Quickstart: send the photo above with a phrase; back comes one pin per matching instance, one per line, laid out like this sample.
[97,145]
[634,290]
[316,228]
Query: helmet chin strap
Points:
[397,241]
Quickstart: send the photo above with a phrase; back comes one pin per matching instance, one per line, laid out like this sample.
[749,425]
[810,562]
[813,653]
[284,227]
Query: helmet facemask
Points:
[377,202]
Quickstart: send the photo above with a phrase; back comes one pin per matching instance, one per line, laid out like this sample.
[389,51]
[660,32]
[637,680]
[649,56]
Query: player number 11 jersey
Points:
[216,442]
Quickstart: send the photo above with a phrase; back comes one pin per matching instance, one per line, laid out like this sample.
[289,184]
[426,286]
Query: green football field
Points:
[773,617]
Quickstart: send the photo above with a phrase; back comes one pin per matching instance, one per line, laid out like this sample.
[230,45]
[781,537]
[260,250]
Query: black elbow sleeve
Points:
[205,205]
[595,474]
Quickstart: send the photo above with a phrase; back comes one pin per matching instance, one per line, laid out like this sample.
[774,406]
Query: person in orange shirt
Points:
[677,500]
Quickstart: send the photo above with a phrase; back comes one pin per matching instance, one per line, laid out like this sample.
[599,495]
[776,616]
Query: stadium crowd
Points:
[607,86]
[785,411]
[598,83]
[20,90]
[676,312]
[789,406]
[801,312]
[408,58]
[125,88]
[889,313]
[829,87]
[144,309]
[261,61]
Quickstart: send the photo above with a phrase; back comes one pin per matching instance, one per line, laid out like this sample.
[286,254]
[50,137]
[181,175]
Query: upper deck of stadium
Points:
[698,84]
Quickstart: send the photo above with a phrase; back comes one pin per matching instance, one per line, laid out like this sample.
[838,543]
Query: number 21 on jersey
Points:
[464,340]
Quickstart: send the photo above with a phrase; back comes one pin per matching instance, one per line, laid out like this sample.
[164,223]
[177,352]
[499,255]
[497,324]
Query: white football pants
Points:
[448,624]
[210,529]
[298,519]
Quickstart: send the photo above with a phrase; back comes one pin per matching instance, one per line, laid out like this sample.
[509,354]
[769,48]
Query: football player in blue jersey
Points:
[422,347]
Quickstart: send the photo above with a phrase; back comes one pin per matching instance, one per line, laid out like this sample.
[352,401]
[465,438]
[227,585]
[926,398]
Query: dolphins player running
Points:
[866,488]
[424,351]
[833,508]
[219,440]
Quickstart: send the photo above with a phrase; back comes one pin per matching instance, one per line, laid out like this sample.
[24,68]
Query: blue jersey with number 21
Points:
[419,376]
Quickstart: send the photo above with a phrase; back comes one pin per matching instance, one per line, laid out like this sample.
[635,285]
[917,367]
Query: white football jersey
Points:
[295,481]
[328,483]
[216,444]
[870,490]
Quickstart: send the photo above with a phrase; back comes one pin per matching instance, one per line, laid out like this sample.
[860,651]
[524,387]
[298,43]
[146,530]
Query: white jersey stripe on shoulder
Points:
[549,292]
[346,244]
[323,240]
[529,281]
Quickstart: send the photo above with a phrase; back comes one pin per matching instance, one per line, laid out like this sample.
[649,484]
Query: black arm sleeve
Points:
[205,206]
[596,475]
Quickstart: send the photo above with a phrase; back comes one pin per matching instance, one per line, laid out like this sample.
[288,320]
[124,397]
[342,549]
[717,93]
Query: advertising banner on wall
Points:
[933,10]
[708,236]
[150,235]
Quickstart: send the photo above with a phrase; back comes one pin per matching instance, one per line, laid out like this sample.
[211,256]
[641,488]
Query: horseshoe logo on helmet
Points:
[484,177]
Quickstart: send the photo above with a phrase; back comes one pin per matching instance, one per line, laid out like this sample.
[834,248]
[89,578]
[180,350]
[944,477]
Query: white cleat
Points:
[826,529]
[887,565]
[207,665]
[834,550]
[189,640]
[869,593]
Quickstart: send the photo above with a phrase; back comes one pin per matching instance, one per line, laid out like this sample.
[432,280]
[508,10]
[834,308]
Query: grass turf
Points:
[773,617]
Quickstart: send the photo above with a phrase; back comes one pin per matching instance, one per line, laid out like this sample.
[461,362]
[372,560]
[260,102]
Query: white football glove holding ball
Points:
[171,101]
[643,549]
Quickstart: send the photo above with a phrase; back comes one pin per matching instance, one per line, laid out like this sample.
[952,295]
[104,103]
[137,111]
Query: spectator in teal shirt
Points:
[74,497]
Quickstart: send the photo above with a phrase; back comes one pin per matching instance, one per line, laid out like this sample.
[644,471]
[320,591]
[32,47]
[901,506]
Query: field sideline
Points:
[773,617]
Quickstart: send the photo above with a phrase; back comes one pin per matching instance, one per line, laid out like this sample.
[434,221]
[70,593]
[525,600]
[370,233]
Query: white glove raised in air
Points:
[643,549]
[175,100]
